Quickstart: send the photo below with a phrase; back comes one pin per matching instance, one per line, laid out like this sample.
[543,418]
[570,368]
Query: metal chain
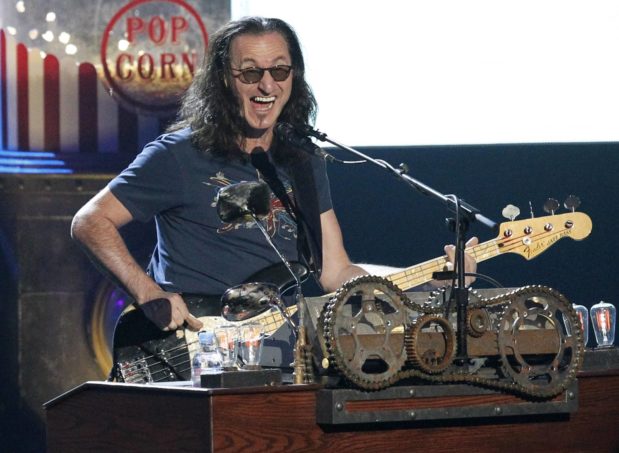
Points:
[357,377]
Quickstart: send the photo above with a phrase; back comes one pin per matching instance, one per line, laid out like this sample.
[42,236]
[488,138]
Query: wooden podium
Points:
[112,417]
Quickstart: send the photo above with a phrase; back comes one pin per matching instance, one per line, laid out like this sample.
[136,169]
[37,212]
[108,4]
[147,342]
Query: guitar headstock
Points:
[531,237]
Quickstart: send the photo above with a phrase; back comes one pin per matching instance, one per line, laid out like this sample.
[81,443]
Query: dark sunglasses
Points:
[254,75]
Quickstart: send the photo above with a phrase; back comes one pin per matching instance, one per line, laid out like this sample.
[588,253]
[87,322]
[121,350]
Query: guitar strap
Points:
[304,210]
[261,162]
[309,226]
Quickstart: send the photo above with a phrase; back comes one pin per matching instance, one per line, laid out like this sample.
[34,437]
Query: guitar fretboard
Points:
[422,273]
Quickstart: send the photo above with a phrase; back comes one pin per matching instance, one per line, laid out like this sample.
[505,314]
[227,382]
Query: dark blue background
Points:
[386,222]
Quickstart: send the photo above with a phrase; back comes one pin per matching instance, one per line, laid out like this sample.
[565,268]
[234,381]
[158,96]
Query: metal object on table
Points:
[524,341]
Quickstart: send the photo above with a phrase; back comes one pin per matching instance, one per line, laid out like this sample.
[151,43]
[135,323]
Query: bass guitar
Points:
[144,353]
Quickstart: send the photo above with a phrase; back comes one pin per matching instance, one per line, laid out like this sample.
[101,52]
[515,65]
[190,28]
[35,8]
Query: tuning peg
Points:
[571,203]
[551,206]
[510,212]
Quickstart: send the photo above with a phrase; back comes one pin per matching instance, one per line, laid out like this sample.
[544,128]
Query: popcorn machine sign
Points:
[150,52]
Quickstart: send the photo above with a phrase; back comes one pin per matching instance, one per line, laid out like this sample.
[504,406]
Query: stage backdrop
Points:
[67,126]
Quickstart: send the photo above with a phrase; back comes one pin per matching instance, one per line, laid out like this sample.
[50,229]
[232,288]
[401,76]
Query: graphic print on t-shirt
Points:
[278,222]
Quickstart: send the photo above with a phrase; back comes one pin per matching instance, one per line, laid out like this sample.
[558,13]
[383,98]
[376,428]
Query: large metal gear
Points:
[537,312]
[364,331]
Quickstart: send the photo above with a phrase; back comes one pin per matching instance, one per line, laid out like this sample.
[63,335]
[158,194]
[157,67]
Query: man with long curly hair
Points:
[253,78]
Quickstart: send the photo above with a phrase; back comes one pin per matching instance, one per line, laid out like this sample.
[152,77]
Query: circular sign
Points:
[150,52]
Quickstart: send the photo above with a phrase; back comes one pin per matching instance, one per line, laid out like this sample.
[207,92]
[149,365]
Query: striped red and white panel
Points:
[60,105]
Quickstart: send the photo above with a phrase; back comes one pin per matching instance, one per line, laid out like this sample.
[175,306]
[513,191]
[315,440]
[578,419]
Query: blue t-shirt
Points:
[196,252]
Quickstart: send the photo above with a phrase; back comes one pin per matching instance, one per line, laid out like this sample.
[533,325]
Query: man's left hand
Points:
[470,265]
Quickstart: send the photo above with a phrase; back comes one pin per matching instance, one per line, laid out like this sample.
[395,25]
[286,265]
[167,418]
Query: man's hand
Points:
[470,265]
[168,311]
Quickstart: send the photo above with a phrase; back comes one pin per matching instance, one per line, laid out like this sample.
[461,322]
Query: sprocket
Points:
[477,322]
[435,355]
[538,310]
[364,331]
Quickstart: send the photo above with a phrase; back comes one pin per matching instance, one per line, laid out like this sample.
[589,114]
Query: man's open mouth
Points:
[263,100]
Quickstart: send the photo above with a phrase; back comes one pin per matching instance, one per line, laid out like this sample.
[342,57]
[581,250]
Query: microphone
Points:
[287,134]
[309,130]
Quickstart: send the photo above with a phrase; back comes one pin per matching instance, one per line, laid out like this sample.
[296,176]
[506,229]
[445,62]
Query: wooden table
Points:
[102,416]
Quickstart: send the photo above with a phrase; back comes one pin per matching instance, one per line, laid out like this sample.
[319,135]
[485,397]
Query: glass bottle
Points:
[211,357]
[206,360]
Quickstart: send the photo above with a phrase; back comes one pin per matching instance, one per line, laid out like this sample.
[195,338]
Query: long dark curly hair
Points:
[210,106]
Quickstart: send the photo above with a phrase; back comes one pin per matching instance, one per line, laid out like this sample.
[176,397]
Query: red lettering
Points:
[146,66]
[179,25]
[157,30]
[124,62]
[134,25]
[190,61]
[167,60]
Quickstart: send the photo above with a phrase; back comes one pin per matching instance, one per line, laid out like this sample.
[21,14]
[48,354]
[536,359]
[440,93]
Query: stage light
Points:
[603,316]
[70,49]
[64,37]
[48,36]
[123,45]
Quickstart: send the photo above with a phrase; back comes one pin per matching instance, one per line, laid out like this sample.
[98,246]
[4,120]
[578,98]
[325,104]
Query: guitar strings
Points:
[163,362]
[171,365]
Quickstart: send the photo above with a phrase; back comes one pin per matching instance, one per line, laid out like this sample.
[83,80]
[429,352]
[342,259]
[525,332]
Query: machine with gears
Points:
[371,335]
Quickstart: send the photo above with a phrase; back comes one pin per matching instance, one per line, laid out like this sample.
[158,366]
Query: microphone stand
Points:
[246,199]
[300,373]
[464,214]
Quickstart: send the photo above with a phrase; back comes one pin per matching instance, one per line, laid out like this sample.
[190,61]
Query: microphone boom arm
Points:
[464,213]
[470,212]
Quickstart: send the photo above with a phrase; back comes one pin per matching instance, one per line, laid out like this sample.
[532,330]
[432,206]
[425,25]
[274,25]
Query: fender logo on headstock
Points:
[542,244]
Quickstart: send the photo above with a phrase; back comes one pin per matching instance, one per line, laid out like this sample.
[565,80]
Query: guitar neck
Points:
[527,238]
[272,319]
[422,273]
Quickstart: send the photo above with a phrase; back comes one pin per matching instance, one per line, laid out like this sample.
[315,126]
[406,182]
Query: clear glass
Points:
[227,340]
[603,316]
[251,340]
[583,315]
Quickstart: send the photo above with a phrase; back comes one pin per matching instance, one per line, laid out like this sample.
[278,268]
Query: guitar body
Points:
[144,353]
